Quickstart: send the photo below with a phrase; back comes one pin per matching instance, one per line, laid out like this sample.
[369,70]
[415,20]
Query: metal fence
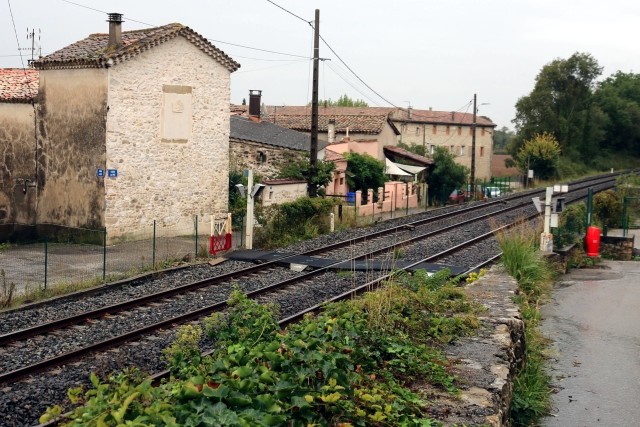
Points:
[71,255]
[630,214]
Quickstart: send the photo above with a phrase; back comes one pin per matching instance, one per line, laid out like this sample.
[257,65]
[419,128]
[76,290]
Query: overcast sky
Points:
[422,53]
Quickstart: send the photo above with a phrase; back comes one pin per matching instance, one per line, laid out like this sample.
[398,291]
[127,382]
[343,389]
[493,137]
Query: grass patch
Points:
[523,261]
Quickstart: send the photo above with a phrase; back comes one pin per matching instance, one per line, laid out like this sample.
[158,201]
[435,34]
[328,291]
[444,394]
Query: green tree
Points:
[364,172]
[414,148]
[446,176]
[343,101]
[618,97]
[561,104]
[300,169]
[502,139]
[541,153]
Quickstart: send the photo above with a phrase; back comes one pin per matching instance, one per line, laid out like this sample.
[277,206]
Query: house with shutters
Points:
[371,129]
[132,127]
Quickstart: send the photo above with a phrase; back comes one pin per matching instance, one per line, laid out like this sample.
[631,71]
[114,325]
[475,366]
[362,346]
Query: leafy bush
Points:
[290,222]
[333,369]
[607,208]
[572,226]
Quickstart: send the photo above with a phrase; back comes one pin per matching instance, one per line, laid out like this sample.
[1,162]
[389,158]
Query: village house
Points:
[132,127]
[371,129]
[261,145]
[18,145]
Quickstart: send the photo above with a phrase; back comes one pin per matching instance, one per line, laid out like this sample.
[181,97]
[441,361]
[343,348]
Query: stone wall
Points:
[168,137]
[487,362]
[17,163]
[72,105]
[265,160]
[618,248]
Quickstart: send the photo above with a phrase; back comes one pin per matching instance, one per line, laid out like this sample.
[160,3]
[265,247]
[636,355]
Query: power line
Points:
[258,49]
[16,33]
[102,11]
[289,12]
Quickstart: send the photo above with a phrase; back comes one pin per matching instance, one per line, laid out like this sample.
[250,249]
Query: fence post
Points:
[153,256]
[46,261]
[104,253]
[196,224]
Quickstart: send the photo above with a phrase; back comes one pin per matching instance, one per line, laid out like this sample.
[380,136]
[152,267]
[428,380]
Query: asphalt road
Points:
[594,320]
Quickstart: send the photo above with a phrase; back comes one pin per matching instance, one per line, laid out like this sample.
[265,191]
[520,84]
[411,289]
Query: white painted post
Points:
[546,238]
[249,220]
[332,221]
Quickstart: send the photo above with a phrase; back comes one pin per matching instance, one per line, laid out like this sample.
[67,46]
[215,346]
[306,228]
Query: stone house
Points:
[18,146]
[451,130]
[132,128]
[383,127]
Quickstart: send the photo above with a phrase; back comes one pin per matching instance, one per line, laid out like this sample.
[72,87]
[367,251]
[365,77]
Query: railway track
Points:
[295,292]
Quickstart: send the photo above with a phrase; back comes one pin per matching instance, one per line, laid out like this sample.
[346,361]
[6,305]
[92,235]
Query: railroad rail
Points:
[369,245]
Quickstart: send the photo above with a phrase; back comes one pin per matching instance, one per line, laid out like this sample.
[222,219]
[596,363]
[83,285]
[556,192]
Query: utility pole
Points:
[313,153]
[32,36]
[473,148]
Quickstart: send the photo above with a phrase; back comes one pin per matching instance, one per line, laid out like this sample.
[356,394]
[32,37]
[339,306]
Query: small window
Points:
[448,129]
[341,181]
[451,149]
[481,151]
[270,195]
[417,131]
[459,130]
[262,157]
[434,129]
[462,151]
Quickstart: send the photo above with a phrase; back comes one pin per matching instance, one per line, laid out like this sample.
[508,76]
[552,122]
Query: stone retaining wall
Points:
[618,248]
[488,361]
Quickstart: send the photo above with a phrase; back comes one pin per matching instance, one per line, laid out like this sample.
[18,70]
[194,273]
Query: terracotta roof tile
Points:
[402,153]
[18,85]
[367,124]
[93,52]
[396,114]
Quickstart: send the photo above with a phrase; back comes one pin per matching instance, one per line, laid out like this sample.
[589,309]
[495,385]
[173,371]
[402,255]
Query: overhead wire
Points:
[15,31]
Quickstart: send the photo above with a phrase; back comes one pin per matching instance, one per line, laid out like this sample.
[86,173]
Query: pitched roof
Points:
[245,129]
[93,52]
[18,85]
[299,118]
[332,156]
[400,153]
[395,114]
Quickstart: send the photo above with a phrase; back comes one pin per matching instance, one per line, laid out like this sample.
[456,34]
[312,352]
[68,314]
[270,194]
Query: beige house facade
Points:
[451,130]
[391,126]
[132,128]
[18,146]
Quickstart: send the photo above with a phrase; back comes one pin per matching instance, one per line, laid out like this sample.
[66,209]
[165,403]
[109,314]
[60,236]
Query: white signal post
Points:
[550,219]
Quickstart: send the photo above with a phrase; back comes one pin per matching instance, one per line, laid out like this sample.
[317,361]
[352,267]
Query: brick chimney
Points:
[115,30]
[255,97]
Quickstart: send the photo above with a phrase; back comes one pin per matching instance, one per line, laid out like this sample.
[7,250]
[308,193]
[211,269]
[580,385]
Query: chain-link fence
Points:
[71,255]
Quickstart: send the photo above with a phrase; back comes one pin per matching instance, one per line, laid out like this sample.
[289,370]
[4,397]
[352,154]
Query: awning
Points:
[393,169]
[411,169]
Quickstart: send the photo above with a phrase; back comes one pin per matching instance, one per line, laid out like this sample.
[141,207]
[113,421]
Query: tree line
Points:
[572,119]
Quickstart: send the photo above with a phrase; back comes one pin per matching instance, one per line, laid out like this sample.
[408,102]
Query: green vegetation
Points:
[356,364]
[502,139]
[446,176]
[300,169]
[364,172]
[532,389]
[540,153]
[343,101]
[286,223]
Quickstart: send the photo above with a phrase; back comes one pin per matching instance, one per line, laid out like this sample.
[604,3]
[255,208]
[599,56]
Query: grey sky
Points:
[427,53]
